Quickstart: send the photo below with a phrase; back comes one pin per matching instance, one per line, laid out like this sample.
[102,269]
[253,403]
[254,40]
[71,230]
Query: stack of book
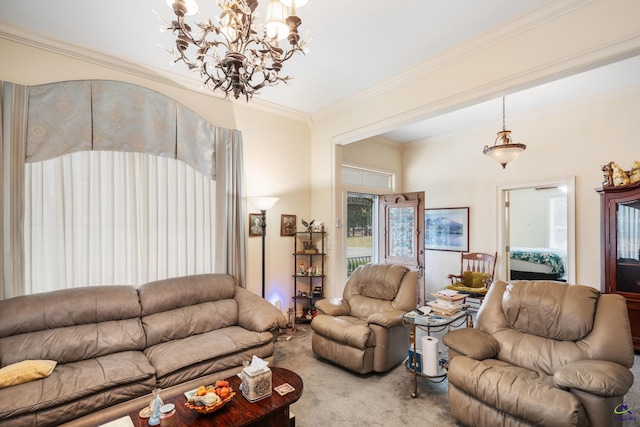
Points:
[447,302]
[474,302]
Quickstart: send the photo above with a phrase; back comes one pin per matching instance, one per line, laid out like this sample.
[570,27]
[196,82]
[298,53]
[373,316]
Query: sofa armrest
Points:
[599,377]
[333,307]
[387,319]
[472,343]
[257,314]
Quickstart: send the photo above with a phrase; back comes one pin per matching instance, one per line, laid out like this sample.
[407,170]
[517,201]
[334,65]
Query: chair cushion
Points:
[474,279]
[460,287]
[550,309]
[344,330]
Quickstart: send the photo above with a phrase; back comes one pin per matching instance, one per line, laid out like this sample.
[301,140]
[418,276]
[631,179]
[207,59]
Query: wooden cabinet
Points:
[309,273]
[620,246]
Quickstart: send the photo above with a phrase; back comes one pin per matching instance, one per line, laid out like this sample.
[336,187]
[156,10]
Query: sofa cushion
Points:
[70,324]
[547,309]
[77,380]
[169,294]
[171,356]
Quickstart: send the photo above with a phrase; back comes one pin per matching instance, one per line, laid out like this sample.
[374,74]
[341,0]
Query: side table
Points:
[430,323]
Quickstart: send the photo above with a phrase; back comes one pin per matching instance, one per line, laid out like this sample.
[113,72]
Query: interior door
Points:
[402,233]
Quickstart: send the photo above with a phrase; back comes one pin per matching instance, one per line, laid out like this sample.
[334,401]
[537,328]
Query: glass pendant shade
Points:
[504,150]
[190,6]
[275,23]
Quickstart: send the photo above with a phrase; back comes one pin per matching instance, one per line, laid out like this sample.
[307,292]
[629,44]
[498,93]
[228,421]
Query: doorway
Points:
[537,230]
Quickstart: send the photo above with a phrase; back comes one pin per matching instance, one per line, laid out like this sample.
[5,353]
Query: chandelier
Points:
[506,150]
[232,52]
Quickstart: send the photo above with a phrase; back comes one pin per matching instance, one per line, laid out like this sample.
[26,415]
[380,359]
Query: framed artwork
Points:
[255,224]
[446,229]
[287,225]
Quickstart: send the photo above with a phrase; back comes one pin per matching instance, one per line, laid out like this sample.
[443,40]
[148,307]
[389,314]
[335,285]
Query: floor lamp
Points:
[264,204]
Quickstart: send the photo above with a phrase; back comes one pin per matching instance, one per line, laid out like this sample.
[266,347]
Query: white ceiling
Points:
[380,41]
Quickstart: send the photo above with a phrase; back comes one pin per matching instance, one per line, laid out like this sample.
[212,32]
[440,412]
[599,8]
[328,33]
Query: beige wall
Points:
[574,142]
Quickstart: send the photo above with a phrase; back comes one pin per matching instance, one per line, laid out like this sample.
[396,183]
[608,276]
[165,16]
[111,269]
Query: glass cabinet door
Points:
[628,246]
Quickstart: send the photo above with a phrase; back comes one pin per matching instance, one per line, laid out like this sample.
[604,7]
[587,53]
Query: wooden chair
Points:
[481,266]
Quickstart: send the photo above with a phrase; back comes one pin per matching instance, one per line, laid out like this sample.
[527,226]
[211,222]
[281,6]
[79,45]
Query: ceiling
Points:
[379,42]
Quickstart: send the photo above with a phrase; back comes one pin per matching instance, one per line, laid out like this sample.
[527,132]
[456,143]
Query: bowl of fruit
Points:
[208,399]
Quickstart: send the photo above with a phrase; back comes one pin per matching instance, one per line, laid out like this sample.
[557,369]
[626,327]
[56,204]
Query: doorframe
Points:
[503,230]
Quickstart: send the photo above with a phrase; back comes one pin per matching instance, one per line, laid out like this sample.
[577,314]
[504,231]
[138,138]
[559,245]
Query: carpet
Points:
[334,396]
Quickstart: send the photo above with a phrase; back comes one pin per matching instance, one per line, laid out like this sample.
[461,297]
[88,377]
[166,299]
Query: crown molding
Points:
[539,16]
[103,59]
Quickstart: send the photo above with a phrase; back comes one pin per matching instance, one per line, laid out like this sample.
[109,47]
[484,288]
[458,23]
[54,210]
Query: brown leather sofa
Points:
[543,353]
[114,344]
[363,331]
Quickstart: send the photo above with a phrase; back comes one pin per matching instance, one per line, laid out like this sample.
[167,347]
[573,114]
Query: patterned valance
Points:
[72,116]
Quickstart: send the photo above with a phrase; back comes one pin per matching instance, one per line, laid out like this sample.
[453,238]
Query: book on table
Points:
[443,310]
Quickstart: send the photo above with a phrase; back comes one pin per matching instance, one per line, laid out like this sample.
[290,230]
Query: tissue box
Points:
[256,386]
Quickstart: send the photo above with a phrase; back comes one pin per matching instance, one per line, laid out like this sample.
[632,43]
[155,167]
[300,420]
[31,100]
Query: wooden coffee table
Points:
[270,411]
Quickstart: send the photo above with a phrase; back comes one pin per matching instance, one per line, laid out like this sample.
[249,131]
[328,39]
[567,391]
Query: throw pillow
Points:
[25,371]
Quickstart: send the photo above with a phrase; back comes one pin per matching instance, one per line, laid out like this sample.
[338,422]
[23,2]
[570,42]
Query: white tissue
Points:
[257,365]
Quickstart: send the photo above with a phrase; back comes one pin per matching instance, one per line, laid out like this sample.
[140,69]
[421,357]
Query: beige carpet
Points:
[333,396]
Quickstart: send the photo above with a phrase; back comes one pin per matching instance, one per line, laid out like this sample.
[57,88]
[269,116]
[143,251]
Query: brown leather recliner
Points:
[543,353]
[363,331]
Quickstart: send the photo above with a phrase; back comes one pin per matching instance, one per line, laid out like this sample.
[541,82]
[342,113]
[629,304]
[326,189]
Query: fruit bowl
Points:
[209,409]
[200,398]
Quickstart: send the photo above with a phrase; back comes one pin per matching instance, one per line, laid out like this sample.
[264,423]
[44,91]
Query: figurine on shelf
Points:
[301,269]
[309,225]
[619,176]
[608,175]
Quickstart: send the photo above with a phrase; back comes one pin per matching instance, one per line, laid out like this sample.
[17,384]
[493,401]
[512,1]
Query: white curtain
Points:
[49,122]
[104,218]
[13,120]
[628,231]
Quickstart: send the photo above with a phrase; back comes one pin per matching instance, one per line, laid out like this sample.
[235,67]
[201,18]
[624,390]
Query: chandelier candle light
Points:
[507,150]
[233,53]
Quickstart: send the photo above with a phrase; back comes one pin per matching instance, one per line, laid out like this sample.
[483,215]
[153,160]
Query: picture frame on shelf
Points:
[255,224]
[288,225]
[447,229]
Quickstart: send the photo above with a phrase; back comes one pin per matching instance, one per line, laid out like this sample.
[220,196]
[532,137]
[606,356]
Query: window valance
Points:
[66,117]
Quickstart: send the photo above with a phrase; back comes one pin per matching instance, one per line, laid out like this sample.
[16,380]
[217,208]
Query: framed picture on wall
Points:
[287,225]
[446,229]
[255,224]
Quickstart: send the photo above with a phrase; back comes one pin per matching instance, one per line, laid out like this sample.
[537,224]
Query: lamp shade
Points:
[275,23]
[264,203]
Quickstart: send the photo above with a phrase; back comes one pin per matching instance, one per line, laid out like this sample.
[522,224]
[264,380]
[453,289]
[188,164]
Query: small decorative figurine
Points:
[608,175]
[309,225]
[619,176]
